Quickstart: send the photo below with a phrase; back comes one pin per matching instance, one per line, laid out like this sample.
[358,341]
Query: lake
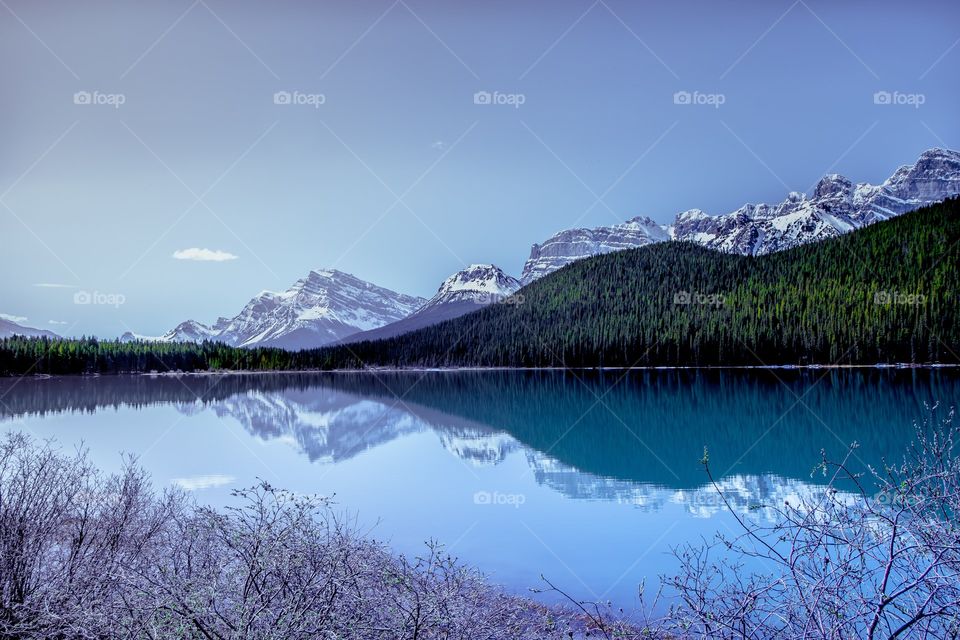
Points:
[589,478]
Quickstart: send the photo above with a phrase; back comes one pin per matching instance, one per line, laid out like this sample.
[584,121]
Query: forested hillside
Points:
[886,293]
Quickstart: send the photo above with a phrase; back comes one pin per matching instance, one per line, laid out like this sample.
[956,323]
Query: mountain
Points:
[886,293]
[325,306]
[10,328]
[836,206]
[573,244]
[465,291]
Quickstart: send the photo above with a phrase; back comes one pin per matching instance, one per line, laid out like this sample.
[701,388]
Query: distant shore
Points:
[375,370]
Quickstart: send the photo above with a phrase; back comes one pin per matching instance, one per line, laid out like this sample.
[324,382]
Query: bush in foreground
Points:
[882,561]
[88,555]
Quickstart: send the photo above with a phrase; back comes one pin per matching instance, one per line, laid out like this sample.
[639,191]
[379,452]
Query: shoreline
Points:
[375,370]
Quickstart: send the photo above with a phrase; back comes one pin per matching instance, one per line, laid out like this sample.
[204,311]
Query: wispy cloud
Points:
[58,322]
[7,316]
[203,255]
[55,285]
[196,483]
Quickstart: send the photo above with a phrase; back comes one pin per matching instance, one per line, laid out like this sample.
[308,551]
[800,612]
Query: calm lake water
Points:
[587,478]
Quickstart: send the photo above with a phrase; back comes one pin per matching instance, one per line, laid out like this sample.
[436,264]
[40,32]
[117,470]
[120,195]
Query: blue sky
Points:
[137,130]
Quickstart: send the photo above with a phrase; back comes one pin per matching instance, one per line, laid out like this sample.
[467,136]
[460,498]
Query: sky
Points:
[169,160]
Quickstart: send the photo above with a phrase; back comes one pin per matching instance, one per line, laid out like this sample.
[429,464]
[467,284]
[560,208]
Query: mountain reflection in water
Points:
[633,438]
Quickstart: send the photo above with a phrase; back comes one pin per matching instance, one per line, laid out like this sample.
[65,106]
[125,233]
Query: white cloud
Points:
[203,482]
[57,321]
[203,255]
[7,316]
[54,285]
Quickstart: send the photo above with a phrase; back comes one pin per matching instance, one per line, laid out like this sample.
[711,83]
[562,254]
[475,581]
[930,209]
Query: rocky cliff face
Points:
[572,244]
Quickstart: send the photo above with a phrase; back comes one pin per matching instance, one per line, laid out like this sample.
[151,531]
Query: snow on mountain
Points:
[190,331]
[325,306]
[572,244]
[479,283]
[332,426]
[465,291]
[9,328]
[836,206]
[758,495]
[328,426]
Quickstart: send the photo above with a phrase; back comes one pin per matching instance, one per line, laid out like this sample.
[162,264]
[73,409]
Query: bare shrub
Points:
[89,555]
[68,536]
[851,563]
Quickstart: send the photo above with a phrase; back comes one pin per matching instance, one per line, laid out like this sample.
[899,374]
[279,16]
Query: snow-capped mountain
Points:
[9,328]
[325,306]
[191,331]
[758,495]
[836,206]
[332,426]
[328,426]
[573,244]
[478,283]
[465,291]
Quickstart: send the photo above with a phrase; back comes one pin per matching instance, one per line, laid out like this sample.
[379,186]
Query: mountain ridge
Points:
[330,307]
[325,306]
[836,206]
[10,328]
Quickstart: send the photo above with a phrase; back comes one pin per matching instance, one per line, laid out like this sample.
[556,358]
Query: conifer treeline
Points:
[885,293]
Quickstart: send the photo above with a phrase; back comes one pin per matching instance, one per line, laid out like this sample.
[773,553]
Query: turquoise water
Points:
[587,478]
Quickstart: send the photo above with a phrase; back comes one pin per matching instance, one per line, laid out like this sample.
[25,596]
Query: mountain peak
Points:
[9,328]
[323,307]
[831,185]
[642,221]
[939,152]
[691,214]
[479,283]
